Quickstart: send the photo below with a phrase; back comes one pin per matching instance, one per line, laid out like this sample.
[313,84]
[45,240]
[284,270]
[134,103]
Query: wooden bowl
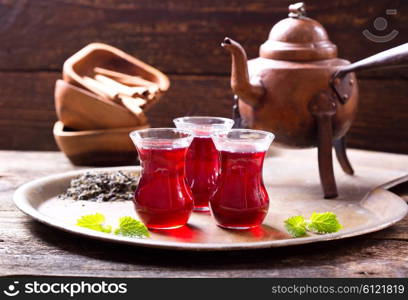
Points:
[79,109]
[105,147]
[83,63]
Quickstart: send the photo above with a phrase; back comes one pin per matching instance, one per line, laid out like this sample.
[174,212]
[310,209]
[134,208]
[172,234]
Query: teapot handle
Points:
[392,58]
[397,56]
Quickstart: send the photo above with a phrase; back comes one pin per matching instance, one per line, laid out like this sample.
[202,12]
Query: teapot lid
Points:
[298,38]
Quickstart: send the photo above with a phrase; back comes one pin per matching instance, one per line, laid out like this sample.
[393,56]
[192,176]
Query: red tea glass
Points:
[202,162]
[240,200]
[163,200]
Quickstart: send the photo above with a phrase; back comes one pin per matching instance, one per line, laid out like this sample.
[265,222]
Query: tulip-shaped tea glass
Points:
[202,163]
[240,200]
[163,200]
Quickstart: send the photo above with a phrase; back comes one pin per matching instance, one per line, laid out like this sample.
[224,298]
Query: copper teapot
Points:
[300,90]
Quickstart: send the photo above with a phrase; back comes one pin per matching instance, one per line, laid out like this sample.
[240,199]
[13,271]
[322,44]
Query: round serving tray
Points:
[292,191]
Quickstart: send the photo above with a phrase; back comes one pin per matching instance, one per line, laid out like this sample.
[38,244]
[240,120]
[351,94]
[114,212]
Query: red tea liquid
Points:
[162,198]
[202,169]
[240,200]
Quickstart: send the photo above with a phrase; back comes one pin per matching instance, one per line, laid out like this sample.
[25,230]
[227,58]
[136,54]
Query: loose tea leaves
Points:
[102,186]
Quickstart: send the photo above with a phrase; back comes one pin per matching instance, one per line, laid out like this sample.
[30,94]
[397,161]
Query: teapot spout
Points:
[248,91]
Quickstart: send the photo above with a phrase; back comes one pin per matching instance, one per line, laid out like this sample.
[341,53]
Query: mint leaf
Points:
[94,222]
[324,223]
[296,226]
[132,228]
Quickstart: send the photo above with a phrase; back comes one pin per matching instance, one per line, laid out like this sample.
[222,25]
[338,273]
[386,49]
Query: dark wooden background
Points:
[182,38]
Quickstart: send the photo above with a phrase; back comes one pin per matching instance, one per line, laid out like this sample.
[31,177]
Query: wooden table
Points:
[30,248]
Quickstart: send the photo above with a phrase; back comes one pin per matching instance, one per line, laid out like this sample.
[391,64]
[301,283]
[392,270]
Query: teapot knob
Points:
[297,10]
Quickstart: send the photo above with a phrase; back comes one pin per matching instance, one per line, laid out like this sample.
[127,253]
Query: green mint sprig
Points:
[131,227]
[324,223]
[320,223]
[296,226]
[128,226]
[94,222]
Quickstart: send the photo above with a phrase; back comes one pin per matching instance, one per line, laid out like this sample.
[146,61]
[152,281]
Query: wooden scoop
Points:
[83,110]
[102,59]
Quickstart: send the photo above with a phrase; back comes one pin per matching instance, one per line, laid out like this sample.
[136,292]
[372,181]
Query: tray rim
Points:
[22,202]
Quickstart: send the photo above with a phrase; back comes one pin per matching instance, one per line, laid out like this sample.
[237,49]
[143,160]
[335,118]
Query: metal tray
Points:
[293,191]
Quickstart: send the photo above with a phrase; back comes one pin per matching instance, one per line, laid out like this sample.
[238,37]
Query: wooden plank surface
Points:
[30,248]
[27,114]
[180,37]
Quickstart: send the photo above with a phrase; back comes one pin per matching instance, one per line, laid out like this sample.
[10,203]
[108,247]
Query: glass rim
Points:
[224,134]
[247,140]
[225,121]
[136,134]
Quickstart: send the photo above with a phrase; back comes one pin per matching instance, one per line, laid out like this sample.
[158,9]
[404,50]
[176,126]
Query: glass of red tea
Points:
[202,162]
[163,199]
[240,200]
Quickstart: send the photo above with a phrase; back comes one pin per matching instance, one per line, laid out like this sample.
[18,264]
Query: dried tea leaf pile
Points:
[102,186]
